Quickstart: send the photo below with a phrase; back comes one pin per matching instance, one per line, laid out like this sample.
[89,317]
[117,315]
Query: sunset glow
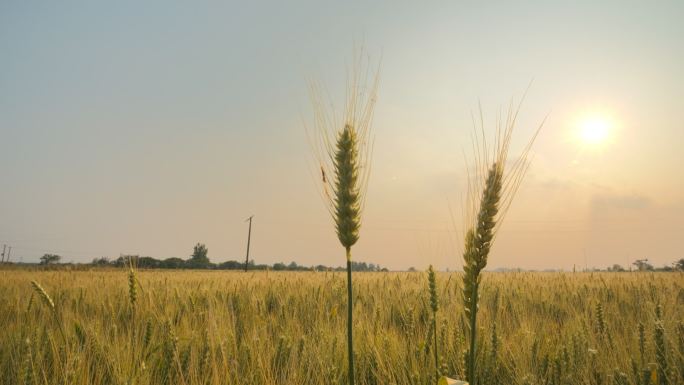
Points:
[595,130]
[144,128]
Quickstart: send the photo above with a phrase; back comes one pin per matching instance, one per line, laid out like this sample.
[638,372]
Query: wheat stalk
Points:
[45,297]
[660,348]
[47,300]
[434,306]
[343,150]
[488,200]
[132,297]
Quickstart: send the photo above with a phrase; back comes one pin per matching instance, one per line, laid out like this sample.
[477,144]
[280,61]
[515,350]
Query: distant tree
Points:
[279,266]
[47,259]
[199,253]
[412,269]
[199,258]
[172,263]
[679,265]
[643,265]
[616,268]
[148,262]
[231,265]
[360,266]
[104,261]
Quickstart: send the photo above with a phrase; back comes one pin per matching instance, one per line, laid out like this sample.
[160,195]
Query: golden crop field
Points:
[193,327]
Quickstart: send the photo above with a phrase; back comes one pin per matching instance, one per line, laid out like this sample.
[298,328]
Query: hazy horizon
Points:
[129,128]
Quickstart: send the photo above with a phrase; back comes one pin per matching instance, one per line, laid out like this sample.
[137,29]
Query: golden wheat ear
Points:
[44,296]
[343,149]
[47,300]
[489,197]
[347,205]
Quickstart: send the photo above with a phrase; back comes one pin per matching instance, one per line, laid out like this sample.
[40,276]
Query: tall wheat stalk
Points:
[489,197]
[660,348]
[343,151]
[133,298]
[434,306]
[47,300]
[50,304]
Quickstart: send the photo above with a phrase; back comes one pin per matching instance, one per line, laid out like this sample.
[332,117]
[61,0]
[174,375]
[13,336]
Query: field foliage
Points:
[204,327]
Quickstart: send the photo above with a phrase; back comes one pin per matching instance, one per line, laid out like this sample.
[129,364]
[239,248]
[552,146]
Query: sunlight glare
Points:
[594,130]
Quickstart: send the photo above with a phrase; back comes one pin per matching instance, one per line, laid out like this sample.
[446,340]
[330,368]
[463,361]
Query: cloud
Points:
[603,202]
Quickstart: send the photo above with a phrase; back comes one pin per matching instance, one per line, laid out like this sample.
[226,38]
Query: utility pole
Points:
[3,253]
[9,252]
[249,237]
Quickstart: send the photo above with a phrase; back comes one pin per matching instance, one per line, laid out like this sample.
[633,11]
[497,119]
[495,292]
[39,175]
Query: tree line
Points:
[199,259]
[645,265]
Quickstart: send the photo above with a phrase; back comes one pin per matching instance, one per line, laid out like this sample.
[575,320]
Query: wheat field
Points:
[193,327]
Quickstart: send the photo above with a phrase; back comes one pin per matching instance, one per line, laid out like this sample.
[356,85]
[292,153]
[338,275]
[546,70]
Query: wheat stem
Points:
[350,329]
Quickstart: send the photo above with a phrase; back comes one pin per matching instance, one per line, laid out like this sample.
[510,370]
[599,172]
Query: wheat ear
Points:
[488,200]
[343,149]
[45,297]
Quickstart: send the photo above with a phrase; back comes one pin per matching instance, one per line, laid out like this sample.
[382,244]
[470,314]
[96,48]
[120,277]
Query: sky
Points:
[147,127]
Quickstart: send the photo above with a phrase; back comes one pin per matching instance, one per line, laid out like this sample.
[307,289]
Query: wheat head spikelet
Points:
[346,201]
[432,286]
[342,149]
[44,296]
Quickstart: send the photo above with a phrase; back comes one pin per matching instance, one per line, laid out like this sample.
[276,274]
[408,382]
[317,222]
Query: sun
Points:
[595,129]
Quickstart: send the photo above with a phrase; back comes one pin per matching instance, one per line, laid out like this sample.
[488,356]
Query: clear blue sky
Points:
[145,127]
